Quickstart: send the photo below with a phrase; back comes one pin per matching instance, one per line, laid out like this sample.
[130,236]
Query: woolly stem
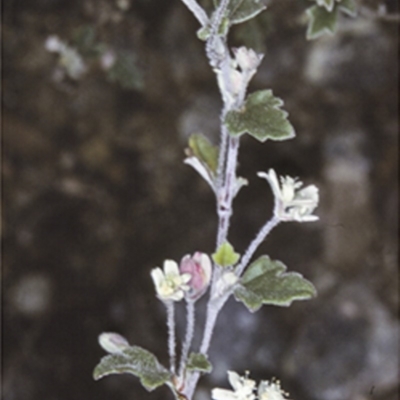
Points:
[171,334]
[197,11]
[260,237]
[190,321]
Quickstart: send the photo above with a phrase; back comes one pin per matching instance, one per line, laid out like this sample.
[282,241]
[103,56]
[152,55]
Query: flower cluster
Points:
[191,279]
[245,388]
[291,202]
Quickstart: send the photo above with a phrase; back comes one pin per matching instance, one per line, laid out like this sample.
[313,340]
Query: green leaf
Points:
[261,117]
[349,7]
[321,21]
[201,148]
[239,11]
[225,255]
[136,361]
[198,362]
[266,282]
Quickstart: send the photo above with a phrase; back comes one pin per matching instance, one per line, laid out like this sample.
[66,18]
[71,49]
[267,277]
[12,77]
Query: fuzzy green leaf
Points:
[201,148]
[266,282]
[239,11]
[261,117]
[198,362]
[321,21]
[136,361]
[225,255]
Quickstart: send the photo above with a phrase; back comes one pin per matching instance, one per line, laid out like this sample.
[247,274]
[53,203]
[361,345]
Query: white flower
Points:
[291,202]
[170,284]
[243,389]
[247,59]
[271,391]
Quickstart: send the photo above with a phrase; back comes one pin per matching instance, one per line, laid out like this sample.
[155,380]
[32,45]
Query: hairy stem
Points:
[227,192]
[197,11]
[171,335]
[213,309]
[260,237]
[190,321]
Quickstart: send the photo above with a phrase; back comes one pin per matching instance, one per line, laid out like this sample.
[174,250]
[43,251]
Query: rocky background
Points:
[99,97]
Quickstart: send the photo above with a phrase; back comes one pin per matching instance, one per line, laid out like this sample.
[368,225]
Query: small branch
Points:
[197,11]
[260,237]
[171,334]
[190,321]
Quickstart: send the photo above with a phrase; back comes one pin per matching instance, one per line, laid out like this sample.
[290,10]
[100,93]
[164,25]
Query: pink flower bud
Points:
[199,268]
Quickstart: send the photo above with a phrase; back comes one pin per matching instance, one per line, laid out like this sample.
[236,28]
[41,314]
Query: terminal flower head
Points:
[291,202]
[243,388]
[271,390]
[170,284]
[199,268]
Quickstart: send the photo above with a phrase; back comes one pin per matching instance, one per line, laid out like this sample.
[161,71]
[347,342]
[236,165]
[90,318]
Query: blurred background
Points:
[99,98]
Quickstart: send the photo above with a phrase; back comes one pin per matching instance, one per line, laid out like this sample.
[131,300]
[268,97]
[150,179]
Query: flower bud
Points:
[247,59]
[199,268]
[113,343]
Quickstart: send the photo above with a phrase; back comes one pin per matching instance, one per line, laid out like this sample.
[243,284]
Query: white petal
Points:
[157,276]
[195,163]
[234,379]
[176,296]
[185,278]
[273,182]
[309,192]
[223,394]
[171,268]
[206,265]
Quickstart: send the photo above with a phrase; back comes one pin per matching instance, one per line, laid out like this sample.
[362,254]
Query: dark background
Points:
[95,195]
